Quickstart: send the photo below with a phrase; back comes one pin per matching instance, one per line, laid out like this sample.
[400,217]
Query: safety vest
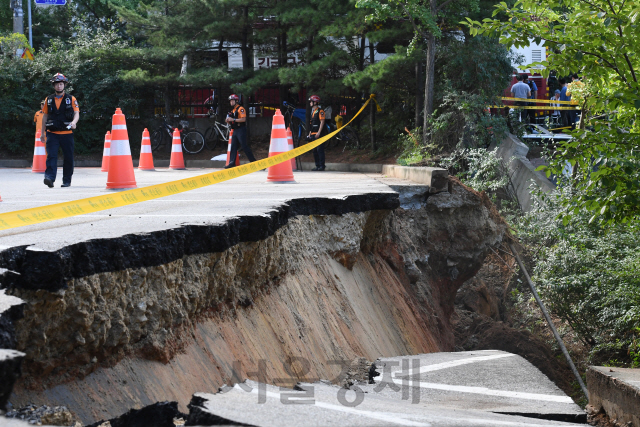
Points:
[235,114]
[315,120]
[58,119]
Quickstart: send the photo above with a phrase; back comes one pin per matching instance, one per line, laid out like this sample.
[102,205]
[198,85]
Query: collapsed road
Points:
[277,283]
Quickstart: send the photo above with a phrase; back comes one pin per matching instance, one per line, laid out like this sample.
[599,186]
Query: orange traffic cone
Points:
[120,163]
[105,152]
[39,155]
[177,159]
[281,172]
[237,163]
[290,141]
[146,158]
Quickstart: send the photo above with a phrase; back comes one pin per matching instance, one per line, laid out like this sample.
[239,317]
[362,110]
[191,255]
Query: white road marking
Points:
[500,393]
[386,417]
[452,364]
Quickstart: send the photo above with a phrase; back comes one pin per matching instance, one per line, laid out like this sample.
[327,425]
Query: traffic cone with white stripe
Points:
[177,159]
[281,172]
[237,163]
[146,158]
[290,141]
[105,152]
[120,163]
[39,155]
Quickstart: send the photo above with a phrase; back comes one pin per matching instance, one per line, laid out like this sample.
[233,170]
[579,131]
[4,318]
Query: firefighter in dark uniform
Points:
[237,118]
[61,114]
[317,126]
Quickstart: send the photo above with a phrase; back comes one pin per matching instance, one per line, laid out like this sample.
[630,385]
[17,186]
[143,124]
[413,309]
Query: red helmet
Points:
[234,97]
[314,98]
[59,78]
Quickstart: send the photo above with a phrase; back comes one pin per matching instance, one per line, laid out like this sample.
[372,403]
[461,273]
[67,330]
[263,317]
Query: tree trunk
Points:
[167,95]
[418,93]
[428,85]
[244,47]
[372,106]
[282,62]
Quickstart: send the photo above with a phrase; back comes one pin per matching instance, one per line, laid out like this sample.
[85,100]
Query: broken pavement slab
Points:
[480,388]
[10,360]
[616,391]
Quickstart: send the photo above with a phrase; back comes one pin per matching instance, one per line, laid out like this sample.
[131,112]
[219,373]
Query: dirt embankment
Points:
[316,293]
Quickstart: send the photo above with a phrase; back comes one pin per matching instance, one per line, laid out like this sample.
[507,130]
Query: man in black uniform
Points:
[61,113]
[317,125]
[238,118]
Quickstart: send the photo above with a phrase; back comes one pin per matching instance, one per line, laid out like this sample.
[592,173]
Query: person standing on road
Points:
[37,119]
[534,94]
[521,90]
[61,114]
[317,125]
[237,118]
[556,114]
[566,115]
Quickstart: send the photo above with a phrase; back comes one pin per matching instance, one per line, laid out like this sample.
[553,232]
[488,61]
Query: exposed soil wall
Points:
[312,290]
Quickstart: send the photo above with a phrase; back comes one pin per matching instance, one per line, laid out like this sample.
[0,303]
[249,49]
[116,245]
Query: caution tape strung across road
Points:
[529,107]
[540,101]
[99,203]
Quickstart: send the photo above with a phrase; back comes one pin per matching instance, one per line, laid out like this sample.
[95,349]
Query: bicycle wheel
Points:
[157,137]
[211,138]
[193,142]
[350,138]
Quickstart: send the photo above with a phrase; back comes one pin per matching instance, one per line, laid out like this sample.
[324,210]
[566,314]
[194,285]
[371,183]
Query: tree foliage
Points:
[598,39]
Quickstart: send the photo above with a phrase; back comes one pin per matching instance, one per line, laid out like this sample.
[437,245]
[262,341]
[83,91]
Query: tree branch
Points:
[439,8]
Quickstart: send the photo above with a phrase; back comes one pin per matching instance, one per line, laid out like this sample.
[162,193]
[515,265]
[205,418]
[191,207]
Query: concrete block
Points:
[616,391]
[436,178]
[523,173]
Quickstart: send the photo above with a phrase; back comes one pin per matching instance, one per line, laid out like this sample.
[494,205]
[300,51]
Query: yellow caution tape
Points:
[373,96]
[109,201]
[542,101]
[523,107]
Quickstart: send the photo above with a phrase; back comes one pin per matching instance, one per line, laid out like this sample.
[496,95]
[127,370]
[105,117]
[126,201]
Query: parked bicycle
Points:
[216,133]
[192,140]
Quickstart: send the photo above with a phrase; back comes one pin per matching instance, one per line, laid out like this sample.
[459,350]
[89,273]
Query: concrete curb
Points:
[345,167]
[436,178]
[616,391]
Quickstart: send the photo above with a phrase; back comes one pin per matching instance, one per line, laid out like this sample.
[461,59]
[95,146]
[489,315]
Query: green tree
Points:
[428,19]
[598,39]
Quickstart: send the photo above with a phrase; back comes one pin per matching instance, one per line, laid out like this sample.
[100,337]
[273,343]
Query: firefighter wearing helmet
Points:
[59,119]
[237,118]
[317,125]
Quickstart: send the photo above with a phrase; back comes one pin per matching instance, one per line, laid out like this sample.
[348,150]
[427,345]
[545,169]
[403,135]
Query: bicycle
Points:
[218,132]
[299,130]
[192,140]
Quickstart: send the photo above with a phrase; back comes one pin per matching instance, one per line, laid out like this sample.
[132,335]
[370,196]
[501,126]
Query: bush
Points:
[94,81]
[589,276]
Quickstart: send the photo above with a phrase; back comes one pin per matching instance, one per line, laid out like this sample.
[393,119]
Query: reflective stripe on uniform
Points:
[279,145]
[120,147]
[145,149]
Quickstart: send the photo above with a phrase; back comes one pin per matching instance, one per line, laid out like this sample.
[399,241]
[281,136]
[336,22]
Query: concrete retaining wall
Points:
[435,178]
[523,175]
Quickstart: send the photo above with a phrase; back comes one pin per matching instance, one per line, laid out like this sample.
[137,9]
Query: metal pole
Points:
[551,325]
[30,32]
